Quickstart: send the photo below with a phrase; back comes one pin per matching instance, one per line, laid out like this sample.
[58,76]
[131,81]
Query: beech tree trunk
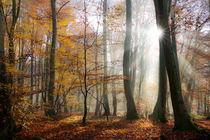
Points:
[46,70]
[105,90]
[160,107]
[131,108]
[96,78]
[114,97]
[134,51]
[32,72]
[182,118]
[51,111]
[85,91]
[11,35]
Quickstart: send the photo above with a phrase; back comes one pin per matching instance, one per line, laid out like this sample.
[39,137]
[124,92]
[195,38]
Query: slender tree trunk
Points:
[100,99]
[85,92]
[131,108]
[38,81]
[42,83]
[65,103]
[182,118]
[96,78]
[46,70]
[187,95]
[114,96]
[142,69]
[97,102]
[51,111]
[134,53]
[32,72]
[35,82]
[21,62]
[105,89]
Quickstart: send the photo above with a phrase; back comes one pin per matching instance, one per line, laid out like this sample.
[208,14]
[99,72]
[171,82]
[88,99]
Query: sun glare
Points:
[156,32]
[159,32]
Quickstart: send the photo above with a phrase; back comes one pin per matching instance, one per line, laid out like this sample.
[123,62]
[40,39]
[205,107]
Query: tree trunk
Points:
[65,103]
[182,118]
[96,77]
[7,123]
[21,62]
[46,70]
[187,95]
[85,92]
[11,35]
[105,90]
[35,81]
[38,80]
[134,53]
[85,111]
[114,96]
[131,108]
[51,111]
[32,71]
[159,112]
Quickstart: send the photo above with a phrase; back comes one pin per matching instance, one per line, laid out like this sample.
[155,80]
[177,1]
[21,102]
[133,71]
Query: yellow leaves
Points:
[11,69]
[71,119]
[6,2]
[64,22]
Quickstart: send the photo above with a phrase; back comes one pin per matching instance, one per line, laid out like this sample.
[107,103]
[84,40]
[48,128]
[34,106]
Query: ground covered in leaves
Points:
[70,128]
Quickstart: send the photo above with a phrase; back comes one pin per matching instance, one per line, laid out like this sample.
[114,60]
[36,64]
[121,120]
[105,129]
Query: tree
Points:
[131,108]
[182,118]
[11,34]
[160,107]
[32,65]
[85,92]
[7,123]
[105,89]
[134,51]
[51,87]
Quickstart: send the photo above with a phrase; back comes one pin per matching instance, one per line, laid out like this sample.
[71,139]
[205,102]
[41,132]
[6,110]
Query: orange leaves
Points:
[70,128]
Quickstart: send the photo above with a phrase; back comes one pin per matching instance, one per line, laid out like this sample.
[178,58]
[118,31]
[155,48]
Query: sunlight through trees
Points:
[86,68]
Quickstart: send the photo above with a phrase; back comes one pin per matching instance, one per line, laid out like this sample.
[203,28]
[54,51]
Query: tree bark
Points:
[51,111]
[160,107]
[21,62]
[7,123]
[105,90]
[131,108]
[85,92]
[96,78]
[46,70]
[182,118]
[32,71]
[11,35]
[114,97]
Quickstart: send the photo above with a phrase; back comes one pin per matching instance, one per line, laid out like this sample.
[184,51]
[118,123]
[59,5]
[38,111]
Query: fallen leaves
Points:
[70,128]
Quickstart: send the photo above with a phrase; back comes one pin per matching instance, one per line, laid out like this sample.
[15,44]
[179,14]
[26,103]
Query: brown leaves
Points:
[70,128]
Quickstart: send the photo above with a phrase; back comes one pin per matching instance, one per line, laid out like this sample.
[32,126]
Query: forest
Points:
[104,70]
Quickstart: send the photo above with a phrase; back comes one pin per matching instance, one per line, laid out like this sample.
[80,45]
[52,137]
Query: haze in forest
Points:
[89,63]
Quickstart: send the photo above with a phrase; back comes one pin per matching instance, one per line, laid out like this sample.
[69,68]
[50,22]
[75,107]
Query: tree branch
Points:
[62,7]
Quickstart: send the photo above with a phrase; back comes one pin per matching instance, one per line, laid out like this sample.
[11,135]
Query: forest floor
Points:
[117,128]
